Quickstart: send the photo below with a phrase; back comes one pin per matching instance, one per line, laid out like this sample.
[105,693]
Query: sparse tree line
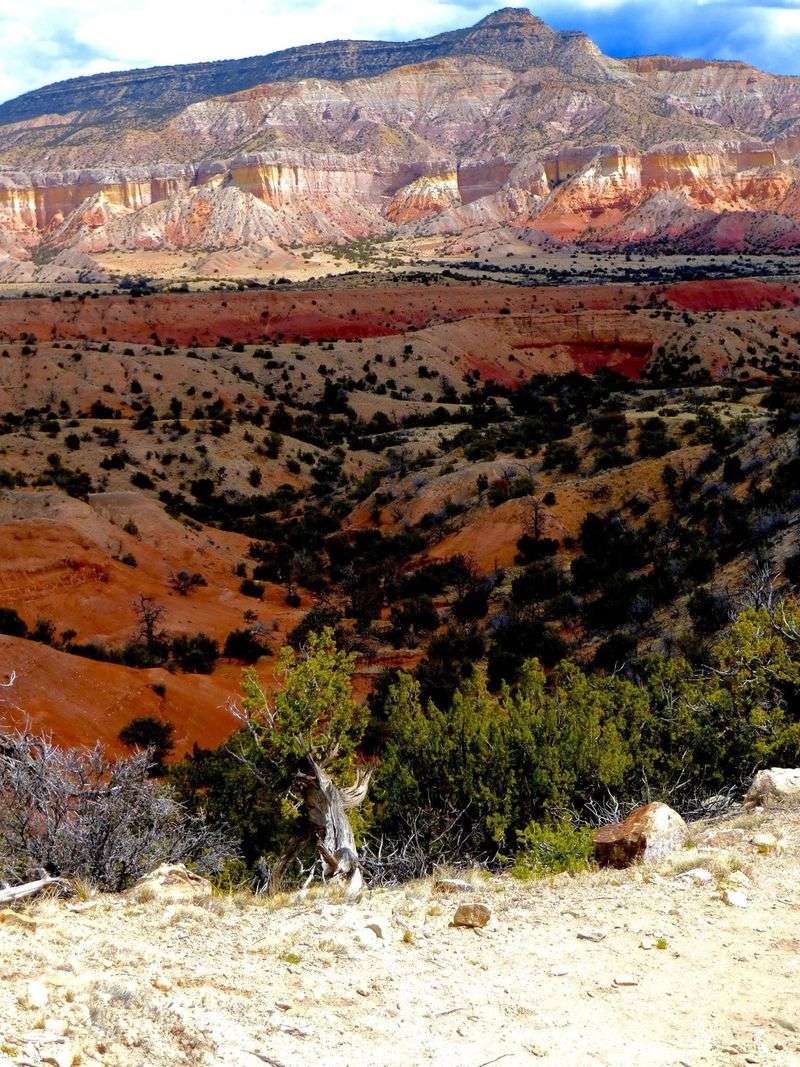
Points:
[395,786]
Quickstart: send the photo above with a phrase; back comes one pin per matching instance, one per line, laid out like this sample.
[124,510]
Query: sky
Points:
[42,41]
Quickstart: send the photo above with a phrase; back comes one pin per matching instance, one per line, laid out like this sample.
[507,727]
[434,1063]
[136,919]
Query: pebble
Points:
[591,935]
[36,995]
[735,898]
[766,843]
[698,875]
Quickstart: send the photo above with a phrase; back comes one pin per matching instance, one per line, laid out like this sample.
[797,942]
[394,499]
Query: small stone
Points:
[625,980]
[698,875]
[472,915]
[36,995]
[735,898]
[377,927]
[591,935]
[452,885]
[740,879]
[766,844]
[162,982]
[64,1056]
[57,1026]
[366,937]
[559,972]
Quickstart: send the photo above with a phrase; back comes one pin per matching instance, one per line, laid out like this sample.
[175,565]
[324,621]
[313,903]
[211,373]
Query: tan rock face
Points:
[507,123]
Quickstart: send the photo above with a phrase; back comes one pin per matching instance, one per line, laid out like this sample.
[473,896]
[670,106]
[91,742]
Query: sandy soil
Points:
[643,969]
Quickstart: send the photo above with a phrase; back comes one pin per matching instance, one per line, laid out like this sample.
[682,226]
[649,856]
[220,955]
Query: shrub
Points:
[195,653]
[78,814]
[547,850]
[245,645]
[11,624]
[152,736]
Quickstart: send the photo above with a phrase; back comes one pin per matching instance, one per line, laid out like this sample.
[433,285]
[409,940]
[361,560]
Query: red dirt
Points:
[202,318]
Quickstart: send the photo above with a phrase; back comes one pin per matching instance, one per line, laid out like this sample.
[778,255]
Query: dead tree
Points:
[327,807]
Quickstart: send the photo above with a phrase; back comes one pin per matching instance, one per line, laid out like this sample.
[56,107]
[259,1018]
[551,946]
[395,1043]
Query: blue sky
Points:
[46,40]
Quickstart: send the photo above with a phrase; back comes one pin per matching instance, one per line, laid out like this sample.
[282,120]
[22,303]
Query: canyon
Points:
[507,131]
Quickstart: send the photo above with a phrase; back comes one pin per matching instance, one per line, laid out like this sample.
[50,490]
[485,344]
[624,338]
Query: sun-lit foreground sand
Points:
[648,968]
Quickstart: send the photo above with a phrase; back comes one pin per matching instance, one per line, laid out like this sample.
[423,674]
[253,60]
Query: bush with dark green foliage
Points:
[152,735]
[11,624]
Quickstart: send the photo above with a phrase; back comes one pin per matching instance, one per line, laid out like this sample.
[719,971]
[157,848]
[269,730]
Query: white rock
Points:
[698,875]
[735,897]
[739,879]
[36,995]
[776,784]
[57,1026]
[766,843]
[63,1056]
[171,883]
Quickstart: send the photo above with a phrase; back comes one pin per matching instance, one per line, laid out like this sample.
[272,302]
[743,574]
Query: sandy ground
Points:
[642,969]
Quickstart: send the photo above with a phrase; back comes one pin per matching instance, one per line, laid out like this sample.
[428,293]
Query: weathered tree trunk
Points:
[327,807]
[11,894]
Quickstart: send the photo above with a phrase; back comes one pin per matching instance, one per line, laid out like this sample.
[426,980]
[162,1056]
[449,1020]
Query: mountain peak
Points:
[508,16]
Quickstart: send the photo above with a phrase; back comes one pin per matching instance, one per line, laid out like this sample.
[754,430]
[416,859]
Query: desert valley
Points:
[427,414]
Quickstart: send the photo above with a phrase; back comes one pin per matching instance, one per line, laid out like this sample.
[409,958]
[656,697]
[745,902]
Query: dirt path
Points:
[677,977]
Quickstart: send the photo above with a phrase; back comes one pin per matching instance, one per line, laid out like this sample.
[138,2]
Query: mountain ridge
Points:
[337,60]
[543,137]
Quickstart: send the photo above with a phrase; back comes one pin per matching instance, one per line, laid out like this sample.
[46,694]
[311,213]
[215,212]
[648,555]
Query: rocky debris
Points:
[171,883]
[36,995]
[15,918]
[649,833]
[475,916]
[774,786]
[452,885]
[739,879]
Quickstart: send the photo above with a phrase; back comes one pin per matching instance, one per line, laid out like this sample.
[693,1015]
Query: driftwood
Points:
[11,894]
[327,806]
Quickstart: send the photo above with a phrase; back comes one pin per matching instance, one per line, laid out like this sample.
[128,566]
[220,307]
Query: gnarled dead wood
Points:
[19,892]
[327,806]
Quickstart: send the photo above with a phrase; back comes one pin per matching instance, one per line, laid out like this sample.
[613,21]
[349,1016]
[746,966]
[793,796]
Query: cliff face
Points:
[507,122]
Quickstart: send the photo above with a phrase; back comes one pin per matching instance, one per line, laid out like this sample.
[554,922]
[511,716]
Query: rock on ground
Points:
[649,833]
